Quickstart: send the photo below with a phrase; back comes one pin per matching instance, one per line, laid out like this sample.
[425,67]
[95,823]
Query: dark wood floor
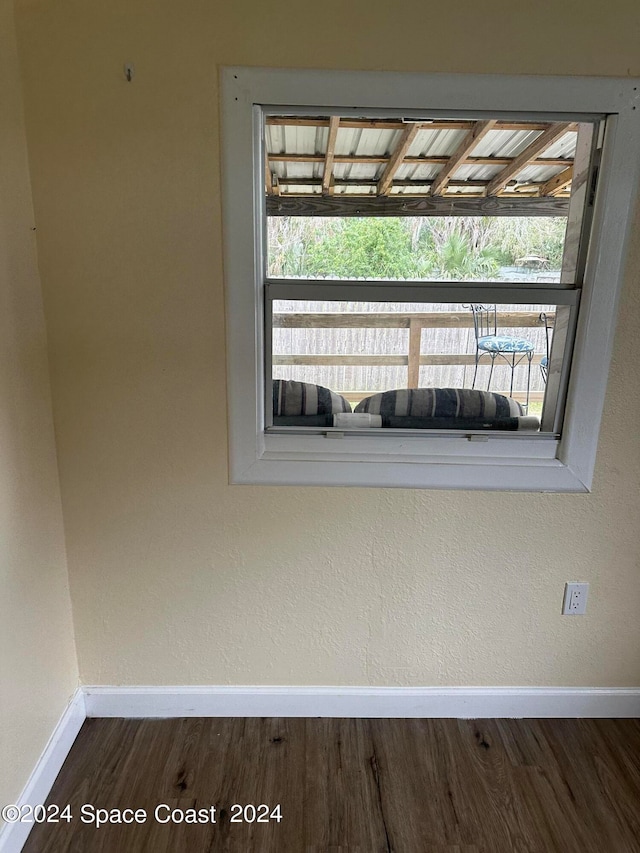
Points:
[408,786]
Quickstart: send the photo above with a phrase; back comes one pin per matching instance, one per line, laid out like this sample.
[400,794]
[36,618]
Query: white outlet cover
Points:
[575,599]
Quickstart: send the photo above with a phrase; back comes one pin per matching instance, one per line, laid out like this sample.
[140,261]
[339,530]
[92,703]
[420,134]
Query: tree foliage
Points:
[410,247]
[364,247]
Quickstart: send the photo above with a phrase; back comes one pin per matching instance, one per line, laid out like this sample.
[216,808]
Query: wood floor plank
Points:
[577,782]
[416,783]
[353,786]
[342,803]
[488,777]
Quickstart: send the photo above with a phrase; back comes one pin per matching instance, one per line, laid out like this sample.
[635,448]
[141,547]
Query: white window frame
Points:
[492,461]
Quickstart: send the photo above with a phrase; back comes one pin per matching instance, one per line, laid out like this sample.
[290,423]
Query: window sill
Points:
[552,476]
[438,462]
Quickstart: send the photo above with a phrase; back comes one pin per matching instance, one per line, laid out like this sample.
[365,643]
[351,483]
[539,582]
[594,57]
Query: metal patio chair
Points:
[489,342]
[544,361]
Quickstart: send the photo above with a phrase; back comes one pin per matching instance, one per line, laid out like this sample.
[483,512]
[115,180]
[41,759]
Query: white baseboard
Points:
[461,702]
[263,701]
[36,791]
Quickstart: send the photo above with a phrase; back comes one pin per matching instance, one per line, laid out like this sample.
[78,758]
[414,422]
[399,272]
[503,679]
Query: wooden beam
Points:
[413,360]
[558,183]
[357,360]
[370,182]
[478,188]
[423,320]
[410,205]
[268,179]
[327,175]
[552,161]
[574,260]
[469,161]
[585,169]
[366,160]
[529,154]
[320,158]
[395,160]
[478,132]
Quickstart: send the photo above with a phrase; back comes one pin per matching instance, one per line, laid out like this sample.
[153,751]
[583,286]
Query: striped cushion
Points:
[441,403]
[302,398]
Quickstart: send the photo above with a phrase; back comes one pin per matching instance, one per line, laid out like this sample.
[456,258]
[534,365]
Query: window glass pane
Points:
[360,349]
[425,198]
[435,248]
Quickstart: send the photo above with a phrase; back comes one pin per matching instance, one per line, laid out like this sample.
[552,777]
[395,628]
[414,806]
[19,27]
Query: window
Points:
[454,166]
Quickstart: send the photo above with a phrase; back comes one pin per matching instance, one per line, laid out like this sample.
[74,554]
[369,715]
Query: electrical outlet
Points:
[575,599]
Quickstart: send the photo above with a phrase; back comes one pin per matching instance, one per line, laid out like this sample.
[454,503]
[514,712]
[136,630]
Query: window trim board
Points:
[253,456]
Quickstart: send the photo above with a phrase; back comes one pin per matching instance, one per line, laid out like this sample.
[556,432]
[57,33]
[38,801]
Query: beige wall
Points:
[38,671]
[177,577]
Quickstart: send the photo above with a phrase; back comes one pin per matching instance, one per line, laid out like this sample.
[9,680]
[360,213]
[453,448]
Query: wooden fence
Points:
[415,323]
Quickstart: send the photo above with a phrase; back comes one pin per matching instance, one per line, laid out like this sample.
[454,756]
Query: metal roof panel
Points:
[436,143]
[505,143]
[413,172]
[469,172]
[538,173]
[295,139]
[563,147]
[374,142]
[356,171]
